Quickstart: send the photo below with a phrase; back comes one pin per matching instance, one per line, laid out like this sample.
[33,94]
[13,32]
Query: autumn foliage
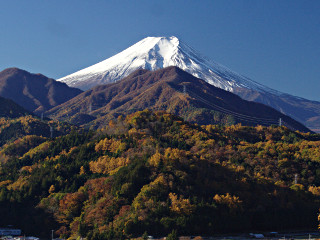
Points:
[153,172]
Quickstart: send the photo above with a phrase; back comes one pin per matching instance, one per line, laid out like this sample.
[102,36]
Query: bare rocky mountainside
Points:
[170,89]
[35,92]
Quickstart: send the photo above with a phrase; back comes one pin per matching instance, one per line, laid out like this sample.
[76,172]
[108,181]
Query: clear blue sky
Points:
[276,43]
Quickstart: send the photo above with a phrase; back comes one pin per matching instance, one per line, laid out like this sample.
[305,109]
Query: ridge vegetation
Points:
[163,90]
[154,172]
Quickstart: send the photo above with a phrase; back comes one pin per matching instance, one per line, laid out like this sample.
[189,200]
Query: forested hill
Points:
[162,90]
[13,129]
[9,109]
[153,172]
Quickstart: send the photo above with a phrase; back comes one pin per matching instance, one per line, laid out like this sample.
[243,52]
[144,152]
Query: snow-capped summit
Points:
[158,52]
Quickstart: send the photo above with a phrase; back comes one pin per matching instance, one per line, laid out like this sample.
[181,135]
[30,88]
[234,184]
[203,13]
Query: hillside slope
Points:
[12,129]
[34,92]
[153,172]
[163,90]
[9,109]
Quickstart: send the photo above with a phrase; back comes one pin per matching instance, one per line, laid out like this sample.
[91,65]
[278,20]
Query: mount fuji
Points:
[153,53]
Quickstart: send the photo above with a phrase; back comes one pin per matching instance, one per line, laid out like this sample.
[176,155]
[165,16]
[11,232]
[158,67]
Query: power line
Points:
[289,126]
[240,116]
[235,113]
[248,118]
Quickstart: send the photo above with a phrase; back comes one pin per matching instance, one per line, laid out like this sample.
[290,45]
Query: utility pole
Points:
[296,179]
[41,116]
[52,234]
[280,122]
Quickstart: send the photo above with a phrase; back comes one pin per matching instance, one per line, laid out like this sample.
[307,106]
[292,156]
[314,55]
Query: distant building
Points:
[256,235]
[26,238]
[9,232]
[7,238]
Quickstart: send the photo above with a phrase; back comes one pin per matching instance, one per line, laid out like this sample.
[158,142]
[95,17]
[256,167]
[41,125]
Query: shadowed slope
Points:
[162,90]
[35,92]
[9,109]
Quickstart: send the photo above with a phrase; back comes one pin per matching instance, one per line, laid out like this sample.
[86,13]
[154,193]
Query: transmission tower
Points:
[90,108]
[51,132]
[184,87]
[295,178]
[68,118]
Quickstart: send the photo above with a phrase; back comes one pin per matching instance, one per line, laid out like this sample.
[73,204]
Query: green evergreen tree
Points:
[173,235]
[145,235]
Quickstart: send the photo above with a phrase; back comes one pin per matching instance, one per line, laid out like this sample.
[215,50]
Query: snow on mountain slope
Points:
[158,52]
[153,53]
